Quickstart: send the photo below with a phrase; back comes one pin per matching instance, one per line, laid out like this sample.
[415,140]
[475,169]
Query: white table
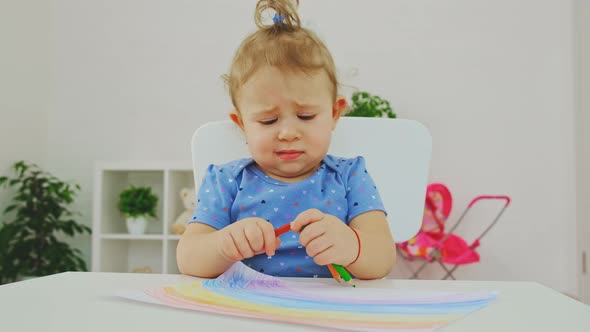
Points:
[82,301]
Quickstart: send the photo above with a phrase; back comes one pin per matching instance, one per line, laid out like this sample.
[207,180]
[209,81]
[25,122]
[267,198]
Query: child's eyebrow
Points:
[306,105]
[263,112]
[268,110]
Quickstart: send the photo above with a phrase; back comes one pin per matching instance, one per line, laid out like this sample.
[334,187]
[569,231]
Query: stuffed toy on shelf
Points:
[189,201]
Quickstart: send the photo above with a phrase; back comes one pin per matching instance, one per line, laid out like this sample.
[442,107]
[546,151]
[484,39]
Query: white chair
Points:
[397,154]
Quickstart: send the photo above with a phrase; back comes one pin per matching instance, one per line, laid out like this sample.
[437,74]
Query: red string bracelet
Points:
[358,239]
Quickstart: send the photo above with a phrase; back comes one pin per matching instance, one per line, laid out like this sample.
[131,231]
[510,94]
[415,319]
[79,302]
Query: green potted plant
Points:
[365,104]
[137,204]
[33,223]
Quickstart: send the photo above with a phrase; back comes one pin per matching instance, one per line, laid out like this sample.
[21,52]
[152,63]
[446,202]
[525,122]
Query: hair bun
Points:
[285,9]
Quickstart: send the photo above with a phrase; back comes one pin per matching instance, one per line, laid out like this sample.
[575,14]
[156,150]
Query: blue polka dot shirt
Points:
[237,190]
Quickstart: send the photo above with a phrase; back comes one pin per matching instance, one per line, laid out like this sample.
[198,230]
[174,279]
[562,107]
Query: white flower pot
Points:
[136,226]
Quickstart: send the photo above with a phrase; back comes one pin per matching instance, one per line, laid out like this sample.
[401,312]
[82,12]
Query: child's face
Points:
[287,119]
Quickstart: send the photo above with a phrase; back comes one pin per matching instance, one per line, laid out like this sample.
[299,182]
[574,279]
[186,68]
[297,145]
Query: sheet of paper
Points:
[243,292]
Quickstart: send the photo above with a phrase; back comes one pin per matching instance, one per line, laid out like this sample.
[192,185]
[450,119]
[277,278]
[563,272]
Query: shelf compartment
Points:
[124,255]
[113,182]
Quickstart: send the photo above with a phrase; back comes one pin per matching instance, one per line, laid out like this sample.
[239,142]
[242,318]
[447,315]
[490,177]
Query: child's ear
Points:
[338,109]
[236,118]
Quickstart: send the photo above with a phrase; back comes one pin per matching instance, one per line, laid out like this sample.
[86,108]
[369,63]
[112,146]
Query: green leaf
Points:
[10,208]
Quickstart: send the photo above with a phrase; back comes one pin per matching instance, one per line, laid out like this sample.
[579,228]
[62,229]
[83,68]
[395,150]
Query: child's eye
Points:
[306,117]
[268,122]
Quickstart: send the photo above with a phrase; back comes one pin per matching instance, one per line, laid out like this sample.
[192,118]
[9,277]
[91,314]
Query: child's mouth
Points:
[289,154]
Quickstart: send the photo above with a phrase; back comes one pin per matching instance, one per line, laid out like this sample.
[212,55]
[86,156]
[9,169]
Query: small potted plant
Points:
[137,204]
[366,105]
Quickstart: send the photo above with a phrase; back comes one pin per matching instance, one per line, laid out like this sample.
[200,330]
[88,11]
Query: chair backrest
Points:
[397,154]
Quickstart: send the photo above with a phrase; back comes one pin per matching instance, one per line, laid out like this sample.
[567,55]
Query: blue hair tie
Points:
[278,18]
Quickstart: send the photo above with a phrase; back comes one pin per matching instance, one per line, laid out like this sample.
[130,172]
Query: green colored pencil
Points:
[344,274]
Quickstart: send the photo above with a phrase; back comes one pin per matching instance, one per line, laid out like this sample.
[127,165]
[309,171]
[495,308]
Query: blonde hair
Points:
[285,45]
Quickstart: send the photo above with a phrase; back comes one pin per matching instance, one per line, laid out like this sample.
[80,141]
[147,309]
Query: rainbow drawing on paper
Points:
[243,292]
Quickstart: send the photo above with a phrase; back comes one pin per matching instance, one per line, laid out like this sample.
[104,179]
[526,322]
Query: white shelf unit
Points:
[113,248]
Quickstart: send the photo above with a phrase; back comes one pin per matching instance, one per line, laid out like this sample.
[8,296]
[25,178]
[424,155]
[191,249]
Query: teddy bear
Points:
[189,201]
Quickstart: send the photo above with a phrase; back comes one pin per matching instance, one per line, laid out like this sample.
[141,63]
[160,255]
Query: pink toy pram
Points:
[433,244]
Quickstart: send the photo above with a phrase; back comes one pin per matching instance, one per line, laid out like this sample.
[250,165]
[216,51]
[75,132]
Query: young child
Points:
[283,86]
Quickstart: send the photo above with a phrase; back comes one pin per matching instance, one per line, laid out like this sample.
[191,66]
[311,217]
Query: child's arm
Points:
[196,252]
[206,252]
[329,240]
[378,255]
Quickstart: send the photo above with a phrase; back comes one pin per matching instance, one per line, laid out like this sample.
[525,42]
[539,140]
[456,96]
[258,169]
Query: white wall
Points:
[491,79]
[24,84]
[582,75]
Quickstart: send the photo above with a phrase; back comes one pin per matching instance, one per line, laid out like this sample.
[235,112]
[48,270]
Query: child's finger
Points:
[311,232]
[255,238]
[268,234]
[305,218]
[317,245]
[242,244]
[229,249]
[325,257]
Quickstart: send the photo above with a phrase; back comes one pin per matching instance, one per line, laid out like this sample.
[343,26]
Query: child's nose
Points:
[288,132]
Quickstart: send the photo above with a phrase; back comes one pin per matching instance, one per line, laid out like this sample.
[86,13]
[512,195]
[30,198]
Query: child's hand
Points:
[326,238]
[246,238]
